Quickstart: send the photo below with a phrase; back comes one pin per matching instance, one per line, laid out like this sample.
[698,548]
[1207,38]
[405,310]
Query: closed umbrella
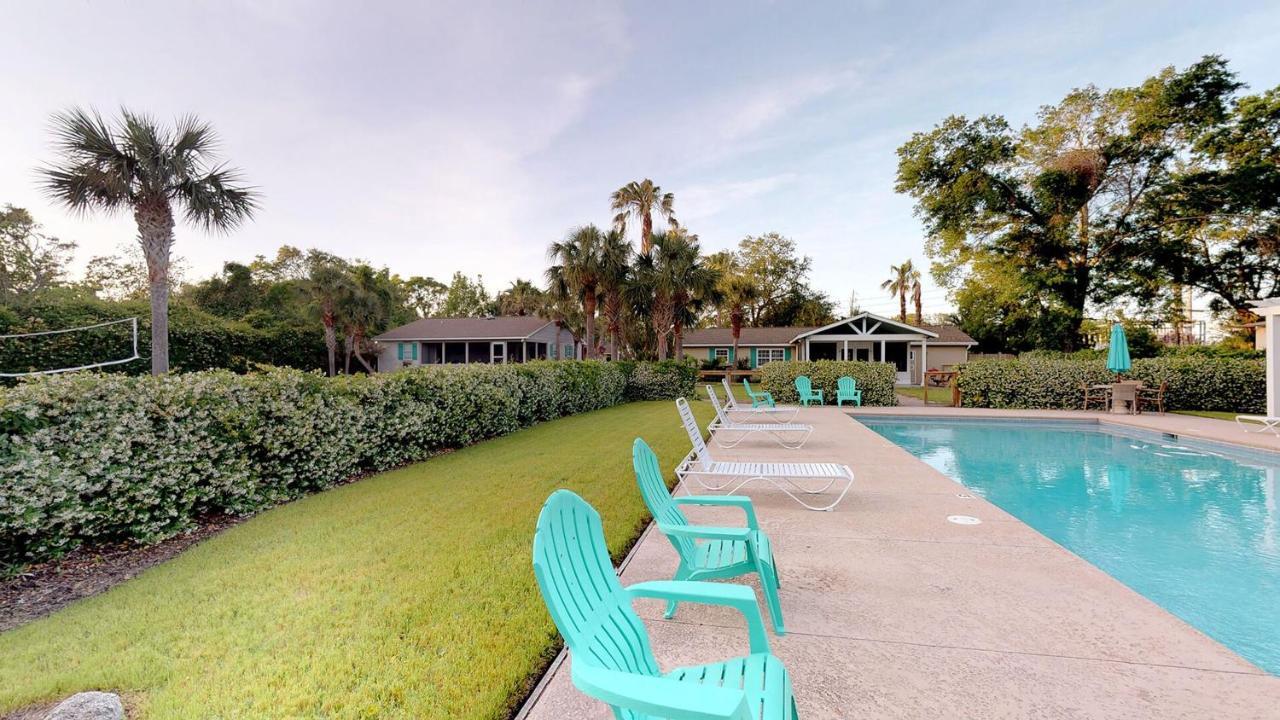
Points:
[1118,354]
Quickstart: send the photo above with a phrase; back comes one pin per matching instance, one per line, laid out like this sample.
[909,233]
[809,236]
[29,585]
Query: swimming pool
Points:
[1194,526]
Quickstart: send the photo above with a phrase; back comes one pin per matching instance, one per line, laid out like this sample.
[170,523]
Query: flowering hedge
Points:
[101,457]
[1195,383]
[875,379]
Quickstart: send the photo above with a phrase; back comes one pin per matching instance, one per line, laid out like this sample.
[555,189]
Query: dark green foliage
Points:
[875,379]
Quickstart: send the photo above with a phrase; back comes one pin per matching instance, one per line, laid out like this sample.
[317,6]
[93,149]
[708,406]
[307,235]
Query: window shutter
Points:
[400,351]
[415,351]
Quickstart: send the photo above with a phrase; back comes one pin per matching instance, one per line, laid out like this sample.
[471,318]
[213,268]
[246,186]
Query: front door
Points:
[498,352]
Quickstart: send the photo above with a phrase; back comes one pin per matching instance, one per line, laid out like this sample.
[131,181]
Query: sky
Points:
[437,137]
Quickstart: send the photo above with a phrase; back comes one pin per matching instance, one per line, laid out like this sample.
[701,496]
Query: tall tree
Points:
[138,165]
[466,298]
[424,295]
[917,292]
[615,273]
[737,292]
[576,273]
[522,297]
[641,200]
[695,283]
[779,273]
[898,285]
[327,283]
[1059,201]
[30,260]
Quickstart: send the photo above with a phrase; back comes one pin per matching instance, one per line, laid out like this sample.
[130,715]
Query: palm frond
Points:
[217,201]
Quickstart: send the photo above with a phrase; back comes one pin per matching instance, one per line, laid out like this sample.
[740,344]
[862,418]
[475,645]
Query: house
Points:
[444,341]
[912,349]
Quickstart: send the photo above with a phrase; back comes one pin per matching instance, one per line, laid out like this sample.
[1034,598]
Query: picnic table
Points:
[942,378]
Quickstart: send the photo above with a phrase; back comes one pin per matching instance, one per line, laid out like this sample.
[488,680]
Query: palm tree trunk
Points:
[559,345]
[155,231]
[330,342]
[589,309]
[347,343]
[735,325]
[678,331]
[902,304]
[646,233]
[359,342]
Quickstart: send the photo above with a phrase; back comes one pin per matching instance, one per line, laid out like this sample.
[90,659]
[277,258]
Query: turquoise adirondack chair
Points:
[804,386]
[612,660]
[757,398]
[847,389]
[708,553]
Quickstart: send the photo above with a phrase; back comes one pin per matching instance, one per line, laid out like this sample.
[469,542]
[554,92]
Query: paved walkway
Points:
[894,612]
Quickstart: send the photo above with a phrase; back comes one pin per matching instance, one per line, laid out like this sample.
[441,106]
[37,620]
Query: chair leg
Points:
[681,574]
[769,584]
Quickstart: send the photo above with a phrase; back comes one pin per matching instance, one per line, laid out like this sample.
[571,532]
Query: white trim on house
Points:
[868,332]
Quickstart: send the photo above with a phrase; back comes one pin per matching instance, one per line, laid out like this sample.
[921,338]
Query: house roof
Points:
[949,334]
[723,337]
[485,328]
[866,316]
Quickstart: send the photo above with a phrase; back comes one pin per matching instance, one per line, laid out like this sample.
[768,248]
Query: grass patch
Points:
[1214,414]
[739,392]
[937,395]
[408,594]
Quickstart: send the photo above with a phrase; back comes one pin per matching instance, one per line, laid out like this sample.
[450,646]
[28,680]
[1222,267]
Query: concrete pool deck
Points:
[893,612]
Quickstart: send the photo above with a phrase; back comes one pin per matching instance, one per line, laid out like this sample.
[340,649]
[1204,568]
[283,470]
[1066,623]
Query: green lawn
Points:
[408,594]
[739,392]
[937,396]
[1215,414]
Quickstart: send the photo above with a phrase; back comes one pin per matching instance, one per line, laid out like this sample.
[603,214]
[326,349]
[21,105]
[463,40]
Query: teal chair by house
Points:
[804,387]
[847,389]
[612,660]
[757,398]
[708,553]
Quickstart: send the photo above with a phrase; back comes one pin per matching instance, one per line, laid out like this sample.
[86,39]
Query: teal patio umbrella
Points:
[1118,354]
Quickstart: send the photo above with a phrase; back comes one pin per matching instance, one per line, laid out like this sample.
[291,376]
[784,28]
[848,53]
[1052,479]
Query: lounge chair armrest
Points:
[706,532]
[741,501]
[659,696]
[738,597]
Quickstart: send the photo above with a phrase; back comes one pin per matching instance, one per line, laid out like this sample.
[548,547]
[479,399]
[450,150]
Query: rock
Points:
[88,706]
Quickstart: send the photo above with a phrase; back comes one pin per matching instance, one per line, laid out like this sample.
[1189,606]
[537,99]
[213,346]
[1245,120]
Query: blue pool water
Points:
[1193,526]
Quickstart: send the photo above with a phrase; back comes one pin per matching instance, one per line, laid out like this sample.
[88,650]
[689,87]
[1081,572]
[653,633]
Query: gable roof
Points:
[910,329]
[949,335]
[758,336]
[515,327]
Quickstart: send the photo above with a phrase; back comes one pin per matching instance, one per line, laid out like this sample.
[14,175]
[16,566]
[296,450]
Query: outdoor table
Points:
[1124,396]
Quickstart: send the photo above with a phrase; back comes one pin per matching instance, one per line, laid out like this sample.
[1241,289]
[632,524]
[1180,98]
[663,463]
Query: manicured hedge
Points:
[102,457]
[875,379]
[1195,383]
[660,380]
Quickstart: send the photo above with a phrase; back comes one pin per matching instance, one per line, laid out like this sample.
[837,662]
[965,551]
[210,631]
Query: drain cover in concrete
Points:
[963,520]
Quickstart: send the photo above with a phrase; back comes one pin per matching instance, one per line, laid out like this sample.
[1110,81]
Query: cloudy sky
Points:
[433,137]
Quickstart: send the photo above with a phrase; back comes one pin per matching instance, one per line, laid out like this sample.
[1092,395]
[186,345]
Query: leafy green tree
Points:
[641,200]
[779,273]
[466,298]
[366,302]
[137,165]
[424,295]
[1059,201]
[801,306]
[30,260]
[576,272]
[522,297]
[232,294]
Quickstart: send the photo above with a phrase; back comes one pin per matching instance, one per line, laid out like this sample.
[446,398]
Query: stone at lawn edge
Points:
[88,706]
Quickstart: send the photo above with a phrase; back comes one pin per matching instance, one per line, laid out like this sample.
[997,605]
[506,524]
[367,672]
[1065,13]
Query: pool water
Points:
[1193,526]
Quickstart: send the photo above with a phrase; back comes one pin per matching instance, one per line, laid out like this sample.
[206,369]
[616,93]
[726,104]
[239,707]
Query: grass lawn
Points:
[1215,414]
[937,396]
[739,392]
[407,594]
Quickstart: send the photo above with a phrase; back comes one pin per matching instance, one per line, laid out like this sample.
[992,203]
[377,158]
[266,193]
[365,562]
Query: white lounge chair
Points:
[716,475]
[780,414]
[1264,422]
[790,435]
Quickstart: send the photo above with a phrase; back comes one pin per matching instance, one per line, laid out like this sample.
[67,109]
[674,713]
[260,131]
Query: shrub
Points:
[103,457]
[1195,383]
[661,380]
[875,379]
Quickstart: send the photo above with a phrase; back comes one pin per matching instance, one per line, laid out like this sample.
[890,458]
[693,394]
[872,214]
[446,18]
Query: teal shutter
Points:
[755,360]
[786,353]
[415,351]
[732,359]
[711,354]
[400,351]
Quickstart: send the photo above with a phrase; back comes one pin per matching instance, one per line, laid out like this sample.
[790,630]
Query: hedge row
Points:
[1195,383]
[95,457]
[875,379]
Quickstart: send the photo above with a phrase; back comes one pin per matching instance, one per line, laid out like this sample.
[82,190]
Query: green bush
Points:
[660,380]
[97,457]
[1195,382]
[875,379]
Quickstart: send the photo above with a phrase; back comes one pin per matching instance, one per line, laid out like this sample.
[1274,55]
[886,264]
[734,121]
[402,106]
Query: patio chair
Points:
[1100,394]
[1153,397]
[708,553]
[612,660]
[847,389]
[716,475]
[757,398]
[804,386]
[1265,423]
[790,436]
[779,413]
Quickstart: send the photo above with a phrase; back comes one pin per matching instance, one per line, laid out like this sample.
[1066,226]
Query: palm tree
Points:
[137,165]
[917,289]
[898,284]
[327,283]
[641,200]
[615,270]
[577,272]
[737,292]
[364,304]
[671,282]
[522,298]
[649,295]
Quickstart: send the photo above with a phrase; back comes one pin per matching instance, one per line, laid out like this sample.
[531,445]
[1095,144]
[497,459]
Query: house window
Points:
[767,355]
[568,352]
[721,354]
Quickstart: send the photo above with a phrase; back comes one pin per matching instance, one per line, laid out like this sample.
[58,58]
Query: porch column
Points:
[1273,359]
[844,354]
[883,354]
[924,358]
[466,353]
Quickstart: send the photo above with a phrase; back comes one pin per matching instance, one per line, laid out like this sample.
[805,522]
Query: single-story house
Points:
[443,341]
[912,349]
